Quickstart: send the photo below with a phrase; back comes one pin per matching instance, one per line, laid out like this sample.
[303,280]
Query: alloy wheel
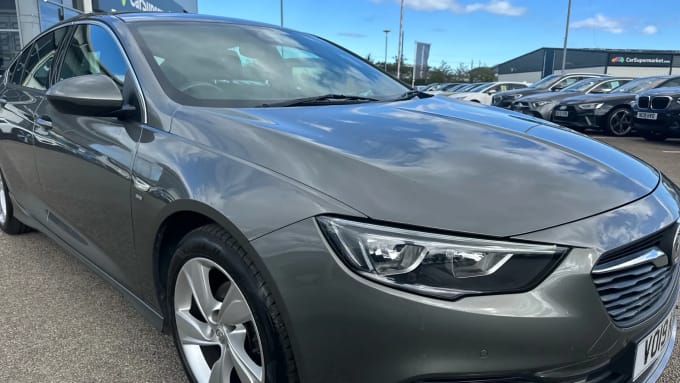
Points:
[215,326]
[3,202]
[620,122]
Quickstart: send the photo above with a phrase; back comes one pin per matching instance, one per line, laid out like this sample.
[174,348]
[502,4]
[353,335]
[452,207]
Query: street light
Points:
[386,32]
[566,36]
[281,13]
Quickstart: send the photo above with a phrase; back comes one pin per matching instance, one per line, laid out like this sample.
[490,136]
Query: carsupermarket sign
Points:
[137,5]
[640,60]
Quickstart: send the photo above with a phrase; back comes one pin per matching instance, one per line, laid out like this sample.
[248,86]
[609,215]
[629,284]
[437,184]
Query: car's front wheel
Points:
[227,328]
[620,122]
[8,222]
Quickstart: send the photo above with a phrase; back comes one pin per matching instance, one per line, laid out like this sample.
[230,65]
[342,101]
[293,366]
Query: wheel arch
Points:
[177,220]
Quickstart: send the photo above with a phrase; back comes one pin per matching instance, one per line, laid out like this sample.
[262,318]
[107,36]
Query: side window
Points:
[566,82]
[517,86]
[606,87]
[17,75]
[93,50]
[39,63]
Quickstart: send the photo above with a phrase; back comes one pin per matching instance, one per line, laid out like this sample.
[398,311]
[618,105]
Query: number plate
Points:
[653,346]
[647,116]
[561,113]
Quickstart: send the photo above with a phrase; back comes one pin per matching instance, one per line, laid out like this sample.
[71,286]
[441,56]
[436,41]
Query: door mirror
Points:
[88,95]
[492,91]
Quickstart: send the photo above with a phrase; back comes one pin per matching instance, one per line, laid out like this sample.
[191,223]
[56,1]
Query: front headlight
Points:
[438,265]
[539,104]
[591,106]
[516,96]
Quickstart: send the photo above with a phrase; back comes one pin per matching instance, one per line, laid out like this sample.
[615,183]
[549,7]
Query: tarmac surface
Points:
[59,322]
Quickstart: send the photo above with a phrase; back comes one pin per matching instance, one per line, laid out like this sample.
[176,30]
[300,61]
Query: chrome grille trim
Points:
[632,286]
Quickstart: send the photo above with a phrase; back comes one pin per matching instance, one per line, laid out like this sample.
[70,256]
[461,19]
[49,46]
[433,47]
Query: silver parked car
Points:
[289,213]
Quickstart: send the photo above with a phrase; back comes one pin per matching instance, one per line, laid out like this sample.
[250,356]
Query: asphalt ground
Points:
[59,322]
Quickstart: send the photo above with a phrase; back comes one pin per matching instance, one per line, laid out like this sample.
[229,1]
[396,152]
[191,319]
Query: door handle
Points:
[45,122]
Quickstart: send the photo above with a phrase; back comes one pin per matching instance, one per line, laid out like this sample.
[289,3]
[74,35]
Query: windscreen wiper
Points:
[320,100]
[411,94]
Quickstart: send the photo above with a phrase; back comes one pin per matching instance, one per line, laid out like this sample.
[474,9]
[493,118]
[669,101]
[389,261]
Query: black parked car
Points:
[656,114]
[609,112]
[552,83]
[542,104]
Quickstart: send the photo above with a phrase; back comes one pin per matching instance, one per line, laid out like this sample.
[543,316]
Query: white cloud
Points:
[650,29]
[500,7]
[600,21]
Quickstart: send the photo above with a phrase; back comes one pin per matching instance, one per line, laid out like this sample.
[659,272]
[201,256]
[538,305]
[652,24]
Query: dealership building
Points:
[21,20]
[634,63]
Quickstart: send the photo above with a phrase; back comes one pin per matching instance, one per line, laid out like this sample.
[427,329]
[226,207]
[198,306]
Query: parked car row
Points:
[615,105]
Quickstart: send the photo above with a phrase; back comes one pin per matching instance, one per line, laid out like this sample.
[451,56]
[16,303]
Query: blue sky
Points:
[486,31]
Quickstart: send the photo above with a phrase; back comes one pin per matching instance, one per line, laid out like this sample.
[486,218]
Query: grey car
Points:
[289,213]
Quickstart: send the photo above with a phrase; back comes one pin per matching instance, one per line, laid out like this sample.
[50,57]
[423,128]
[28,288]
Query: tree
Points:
[442,73]
[482,74]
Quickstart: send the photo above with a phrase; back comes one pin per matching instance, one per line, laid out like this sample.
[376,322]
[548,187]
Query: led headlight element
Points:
[591,106]
[539,104]
[438,265]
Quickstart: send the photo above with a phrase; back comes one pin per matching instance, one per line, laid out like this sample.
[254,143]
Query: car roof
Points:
[131,17]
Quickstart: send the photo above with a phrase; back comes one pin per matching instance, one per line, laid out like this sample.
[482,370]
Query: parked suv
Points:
[656,114]
[611,112]
[552,83]
[542,104]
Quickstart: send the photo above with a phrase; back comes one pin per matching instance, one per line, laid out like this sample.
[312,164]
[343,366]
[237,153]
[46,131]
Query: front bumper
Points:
[666,124]
[344,328]
[544,111]
[578,118]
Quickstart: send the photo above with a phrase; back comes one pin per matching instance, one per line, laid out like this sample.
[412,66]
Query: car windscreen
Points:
[582,86]
[231,65]
[481,87]
[639,85]
[545,82]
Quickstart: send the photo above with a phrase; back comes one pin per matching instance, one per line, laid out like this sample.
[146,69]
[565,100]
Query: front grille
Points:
[661,102]
[633,281]
[606,376]
[643,102]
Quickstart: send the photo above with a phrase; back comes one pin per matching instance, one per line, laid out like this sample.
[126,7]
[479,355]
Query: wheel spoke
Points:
[193,331]
[245,367]
[196,275]
[221,369]
[234,308]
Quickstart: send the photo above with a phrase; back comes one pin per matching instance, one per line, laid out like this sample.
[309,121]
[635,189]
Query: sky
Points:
[466,31]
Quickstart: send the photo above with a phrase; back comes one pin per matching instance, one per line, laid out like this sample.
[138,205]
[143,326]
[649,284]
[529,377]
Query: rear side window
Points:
[673,82]
[93,50]
[38,65]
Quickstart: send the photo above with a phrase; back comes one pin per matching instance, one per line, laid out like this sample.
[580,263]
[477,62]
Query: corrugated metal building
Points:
[619,62]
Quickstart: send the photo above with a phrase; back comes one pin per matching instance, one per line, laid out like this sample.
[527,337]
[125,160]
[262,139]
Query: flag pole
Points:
[401,39]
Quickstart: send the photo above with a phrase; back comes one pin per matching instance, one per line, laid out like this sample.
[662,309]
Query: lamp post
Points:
[401,38]
[566,36]
[386,32]
[281,13]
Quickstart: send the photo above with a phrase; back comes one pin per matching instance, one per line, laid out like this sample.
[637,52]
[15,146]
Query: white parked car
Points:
[485,91]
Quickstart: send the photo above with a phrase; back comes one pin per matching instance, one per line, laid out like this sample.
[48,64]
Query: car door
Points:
[25,85]
[84,163]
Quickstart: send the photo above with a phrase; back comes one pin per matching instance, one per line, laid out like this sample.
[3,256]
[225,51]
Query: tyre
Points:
[620,122]
[226,325]
[8,223]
